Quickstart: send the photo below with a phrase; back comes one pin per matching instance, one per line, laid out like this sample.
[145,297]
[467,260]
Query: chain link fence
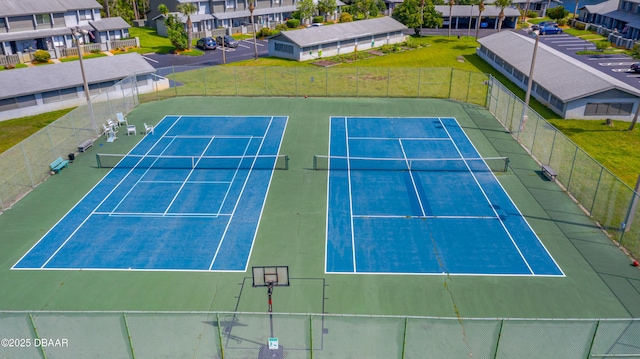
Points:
[247,335]
[607,199]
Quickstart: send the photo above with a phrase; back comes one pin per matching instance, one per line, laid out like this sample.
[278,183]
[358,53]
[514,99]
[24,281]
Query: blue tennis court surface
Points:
[188,197]
[413,196]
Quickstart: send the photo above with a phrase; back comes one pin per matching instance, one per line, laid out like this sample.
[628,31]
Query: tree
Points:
[502,4]
[327,7]
[306,8]
[365,7]
[175,30]
[253,28]
[480,10]
[409,11]
[451,3]
[557,13]
[187,9]
[345,17]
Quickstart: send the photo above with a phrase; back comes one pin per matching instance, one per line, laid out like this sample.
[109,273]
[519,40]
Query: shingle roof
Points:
[256,12]
[29,7]
[109,23]
[465,10]
[602,7]
[39,79]
[339,32]
[563,76]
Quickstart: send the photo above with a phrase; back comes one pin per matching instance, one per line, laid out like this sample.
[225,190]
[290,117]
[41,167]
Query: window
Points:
[555,102]
[508,68]
[275,2]
[43,19]
[518,75]
[84,14]
[602,109]
[230,4]
[284,48]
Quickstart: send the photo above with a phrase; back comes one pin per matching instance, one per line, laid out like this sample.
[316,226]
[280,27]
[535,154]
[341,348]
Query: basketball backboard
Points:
[276,275]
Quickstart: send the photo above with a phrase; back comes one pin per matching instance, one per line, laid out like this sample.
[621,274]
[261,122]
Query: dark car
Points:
[207,43]
[550,29]
[635,67]
[228,41]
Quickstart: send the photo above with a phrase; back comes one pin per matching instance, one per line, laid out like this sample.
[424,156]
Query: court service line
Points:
[184,182]
[413,181]
[353,234]
[235,206]
[197,182]
[160,214]
[423,217]
[235,174]
[403,138]
[99,204]
[209,136]
[143,174]
[504,227]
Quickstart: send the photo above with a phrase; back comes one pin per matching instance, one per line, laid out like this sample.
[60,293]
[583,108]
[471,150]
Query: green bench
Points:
[58,164]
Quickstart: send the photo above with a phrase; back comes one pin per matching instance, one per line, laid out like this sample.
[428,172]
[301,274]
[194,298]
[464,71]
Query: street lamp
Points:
[78,34]
[255,44]
[535,33]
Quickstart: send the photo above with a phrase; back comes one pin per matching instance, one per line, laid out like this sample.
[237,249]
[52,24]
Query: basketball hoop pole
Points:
[269,292]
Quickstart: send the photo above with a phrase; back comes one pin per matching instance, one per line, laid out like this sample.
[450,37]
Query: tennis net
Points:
[264,162]
[494,164]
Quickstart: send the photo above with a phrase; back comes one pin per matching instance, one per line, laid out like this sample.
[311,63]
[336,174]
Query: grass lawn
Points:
[18,66]
[14,131]
[86,56]
[150,41]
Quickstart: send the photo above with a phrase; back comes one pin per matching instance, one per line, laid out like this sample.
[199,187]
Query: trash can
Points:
[72,156]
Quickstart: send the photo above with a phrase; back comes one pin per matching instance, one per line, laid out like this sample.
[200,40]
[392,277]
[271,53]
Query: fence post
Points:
[173,72]
[388,79]
[404,336]
[53,146]
[593,202]
[204,80]
[593,338]
[326,81]
[28,166]
[220,336]
[266,87]
[468,87]
[357,78]
[311,335]
[573,165]
[495,354]
[235,80]
[126,325]
[295,78]
[419,72]
[35,330]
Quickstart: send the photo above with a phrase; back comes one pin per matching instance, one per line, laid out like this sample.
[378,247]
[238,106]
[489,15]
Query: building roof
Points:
[256,12]
[109,23]
[339,32]
[465,10]
[565,77]
[40,79]
[30,7]
[632,20]
[603,7]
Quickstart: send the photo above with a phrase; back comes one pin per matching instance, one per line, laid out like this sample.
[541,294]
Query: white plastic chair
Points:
[148,128]
[131,129]
[122,119]
[113,125]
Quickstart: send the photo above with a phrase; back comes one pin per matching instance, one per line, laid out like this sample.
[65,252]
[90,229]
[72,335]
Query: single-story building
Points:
[47,88]
[330,40]
[462,14]
[570,88]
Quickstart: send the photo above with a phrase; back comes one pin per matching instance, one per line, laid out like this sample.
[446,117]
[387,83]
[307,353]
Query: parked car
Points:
[540,25]
[635,67]
[228,41]
[207,43]
[550,29]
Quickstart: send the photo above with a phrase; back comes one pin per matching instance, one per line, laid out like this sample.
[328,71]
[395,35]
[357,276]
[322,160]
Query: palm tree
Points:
[502,4]
[187,9]
[451,3]
[480,10]
[253,28]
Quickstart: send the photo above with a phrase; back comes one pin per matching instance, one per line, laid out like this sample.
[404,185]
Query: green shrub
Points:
[346,17]
[602,44]
[96,51]
[266,32]
[412,43]
[293,23]
[532,14]
[635,52]
[42,56]
[580,26]
[562,22]
[557,13]
[318,19]
[281,27]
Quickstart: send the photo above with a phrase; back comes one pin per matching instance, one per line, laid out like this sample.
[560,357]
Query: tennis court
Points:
[414,196]
[188,197]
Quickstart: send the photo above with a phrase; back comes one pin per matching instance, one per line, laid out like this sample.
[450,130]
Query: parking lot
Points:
[244,51]
[614,65]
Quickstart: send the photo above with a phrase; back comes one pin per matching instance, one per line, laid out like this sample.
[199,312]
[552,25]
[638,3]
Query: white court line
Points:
[162,215]
[233,212]
[413,181]
[353,240]
[197,182]
[235,174]
[189,175]
[149,59]
[423,217]
[406,139]
[489,202]
[208,137]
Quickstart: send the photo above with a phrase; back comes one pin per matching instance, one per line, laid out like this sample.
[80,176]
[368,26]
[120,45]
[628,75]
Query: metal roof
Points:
[40,79]
[465,10]
[340,32]
[256,12]
[109,23]
[30,7]
[562,75]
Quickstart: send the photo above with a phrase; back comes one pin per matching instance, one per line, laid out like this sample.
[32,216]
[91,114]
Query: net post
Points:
[98,161]
[315,162]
